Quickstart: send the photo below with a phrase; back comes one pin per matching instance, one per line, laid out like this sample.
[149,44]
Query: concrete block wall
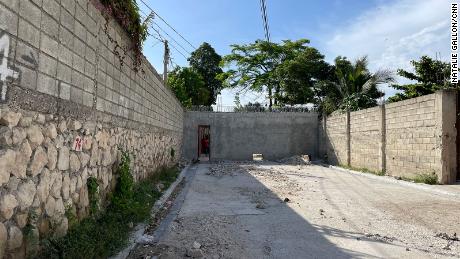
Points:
[413,136]
[236,136]
[67,104]
[336,139]
[407,138]
[365,138]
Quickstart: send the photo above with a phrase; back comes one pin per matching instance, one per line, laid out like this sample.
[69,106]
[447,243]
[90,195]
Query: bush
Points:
[105,233]
[430,178]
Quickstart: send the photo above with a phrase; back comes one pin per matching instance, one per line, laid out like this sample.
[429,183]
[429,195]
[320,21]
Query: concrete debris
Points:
[196,245]
[194,253]
[446,236]
[296,160]
[380,238]
[145,240]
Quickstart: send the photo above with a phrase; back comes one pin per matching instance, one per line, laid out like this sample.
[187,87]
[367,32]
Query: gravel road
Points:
[273,210]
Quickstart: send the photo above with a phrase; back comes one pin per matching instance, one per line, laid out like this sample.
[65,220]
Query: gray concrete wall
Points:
[236,136]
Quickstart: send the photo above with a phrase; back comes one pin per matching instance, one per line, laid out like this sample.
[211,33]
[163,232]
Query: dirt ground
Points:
[273,210]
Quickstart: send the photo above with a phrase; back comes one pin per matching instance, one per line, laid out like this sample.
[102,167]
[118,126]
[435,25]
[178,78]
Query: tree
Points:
[253,66]
[205,61]
[189,87]
[430,75]
[299,75]
[353,87]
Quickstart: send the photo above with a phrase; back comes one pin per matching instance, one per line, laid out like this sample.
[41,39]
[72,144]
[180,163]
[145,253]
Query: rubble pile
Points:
[222,169]
[296,160]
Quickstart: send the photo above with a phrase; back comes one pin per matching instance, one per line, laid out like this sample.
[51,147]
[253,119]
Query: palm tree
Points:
[357,88]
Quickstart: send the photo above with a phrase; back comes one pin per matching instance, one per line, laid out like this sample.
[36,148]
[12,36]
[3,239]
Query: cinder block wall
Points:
[335,139]
[365,138]
[236,136]
[67,105]
[407,138]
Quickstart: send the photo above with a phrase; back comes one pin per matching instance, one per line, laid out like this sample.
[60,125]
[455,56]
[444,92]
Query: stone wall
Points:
[407,138]
[67,105]
[236,136]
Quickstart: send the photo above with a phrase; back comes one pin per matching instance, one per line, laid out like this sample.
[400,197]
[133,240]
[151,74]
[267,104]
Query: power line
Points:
[165,32]
[263,10]
[161,18]
[174,47]
[161,38]
[171,37]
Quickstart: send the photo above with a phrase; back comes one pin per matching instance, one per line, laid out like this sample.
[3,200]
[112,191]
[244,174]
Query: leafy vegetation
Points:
[427,178]
[126,13]
[286,71]
[294,73]
[188,86]
[205,61]
[352,86]
[198,84]
[105,233]
[430,75]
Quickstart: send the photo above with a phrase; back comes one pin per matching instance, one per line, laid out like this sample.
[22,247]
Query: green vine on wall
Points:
[126,13]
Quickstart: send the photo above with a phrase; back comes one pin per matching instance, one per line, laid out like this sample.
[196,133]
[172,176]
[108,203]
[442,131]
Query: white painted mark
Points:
[5,72]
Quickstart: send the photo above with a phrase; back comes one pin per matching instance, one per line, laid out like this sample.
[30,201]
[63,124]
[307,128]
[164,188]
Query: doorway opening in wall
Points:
[204,143]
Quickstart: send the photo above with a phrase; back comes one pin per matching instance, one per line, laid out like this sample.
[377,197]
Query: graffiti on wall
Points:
[5,71]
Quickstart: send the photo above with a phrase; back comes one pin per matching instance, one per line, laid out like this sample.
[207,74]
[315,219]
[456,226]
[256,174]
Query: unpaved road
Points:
[237,210]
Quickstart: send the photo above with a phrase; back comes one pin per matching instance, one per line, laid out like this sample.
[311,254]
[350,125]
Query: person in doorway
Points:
[205,145]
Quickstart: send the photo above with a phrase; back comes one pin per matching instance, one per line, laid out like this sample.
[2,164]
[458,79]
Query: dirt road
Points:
[240,210]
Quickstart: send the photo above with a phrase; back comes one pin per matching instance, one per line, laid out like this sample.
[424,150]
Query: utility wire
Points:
[263,10]
[170,43]
[171,37]
[161,18]
[161,38]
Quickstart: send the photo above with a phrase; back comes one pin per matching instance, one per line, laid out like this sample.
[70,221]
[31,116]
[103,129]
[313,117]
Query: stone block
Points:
[26,194]
[30,12]
[76,95]
[52,8]
[69,5]
[8,21]
[67,19]
[15,238]
[80,31]
[65,55]
[63,160]
[47,65]
[64,73]
[47,85]
[29,33]
[28,77]
[64,91]
[49,45]
[66,37]
[8,203]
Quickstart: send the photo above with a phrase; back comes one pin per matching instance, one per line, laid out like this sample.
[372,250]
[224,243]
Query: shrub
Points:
[105,233]
[428,178]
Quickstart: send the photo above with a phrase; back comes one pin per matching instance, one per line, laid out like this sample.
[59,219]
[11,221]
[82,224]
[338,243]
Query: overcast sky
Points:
[389,32]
